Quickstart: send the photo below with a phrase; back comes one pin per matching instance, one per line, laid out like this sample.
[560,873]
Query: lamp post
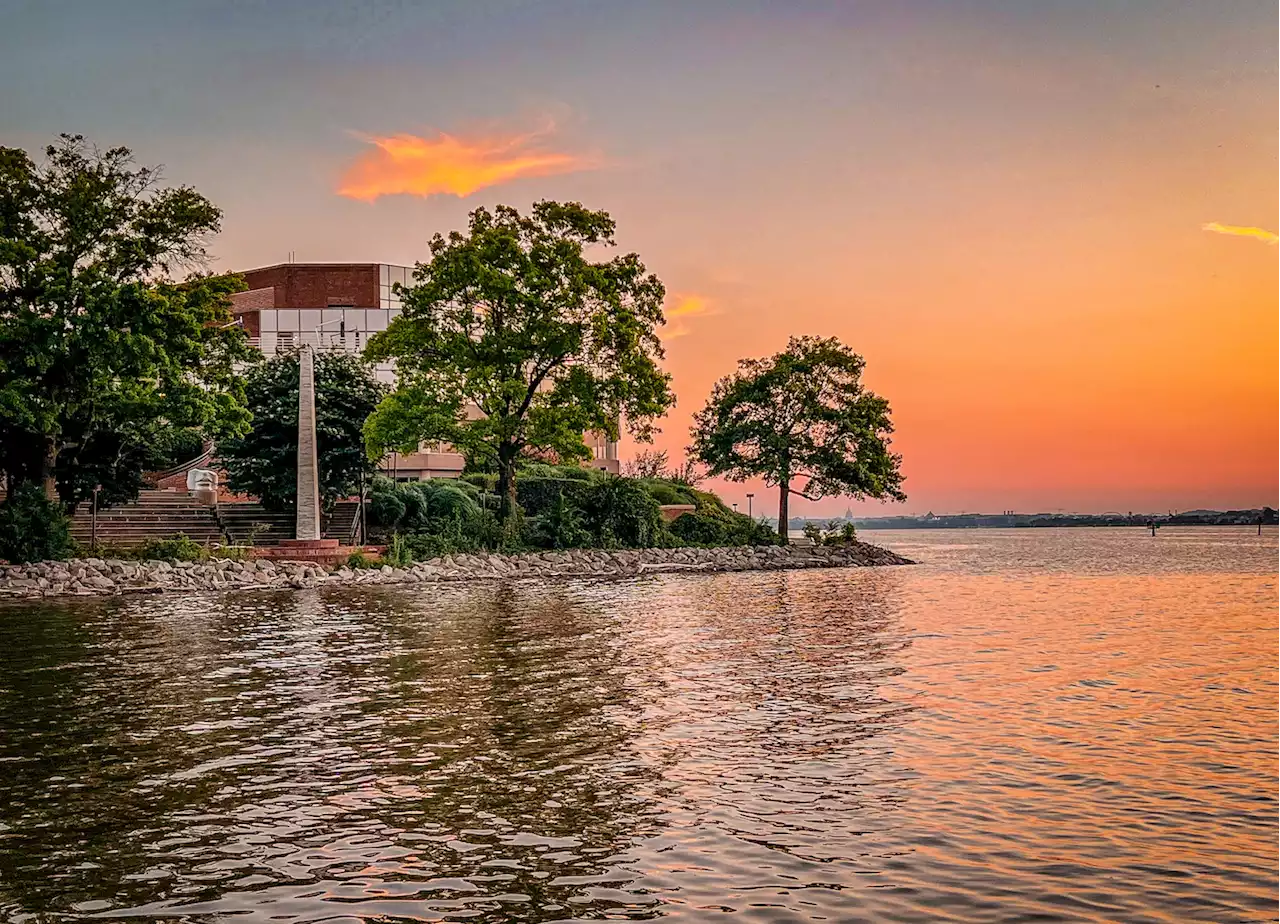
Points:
[93,521]
[749,496]
[735,507]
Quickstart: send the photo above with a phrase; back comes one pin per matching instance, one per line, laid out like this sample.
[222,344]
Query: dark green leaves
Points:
[802,413]
[263,462]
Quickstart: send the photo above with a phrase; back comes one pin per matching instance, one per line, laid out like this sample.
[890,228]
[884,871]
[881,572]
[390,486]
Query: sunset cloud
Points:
[452,164]
[1260,234]
[684,306]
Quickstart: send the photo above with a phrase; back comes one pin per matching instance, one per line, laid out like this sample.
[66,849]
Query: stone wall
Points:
[98,577]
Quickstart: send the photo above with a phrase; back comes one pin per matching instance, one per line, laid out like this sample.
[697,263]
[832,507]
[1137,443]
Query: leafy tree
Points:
[802,413]
[33,527]
[514,319]
[649,463]
[101,351]
[264,461]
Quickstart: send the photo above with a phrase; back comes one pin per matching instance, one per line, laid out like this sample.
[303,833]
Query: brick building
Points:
[339,306]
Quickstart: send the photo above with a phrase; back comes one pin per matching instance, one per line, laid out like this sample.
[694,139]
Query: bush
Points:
[175,548]
[537,495]
[358,561]
[620,512]
[561,527]
[484,481]
[567,472]
[709,529]
[32,527]
[668,492]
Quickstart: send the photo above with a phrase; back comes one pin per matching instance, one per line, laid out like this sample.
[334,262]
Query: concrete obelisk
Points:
[308,497]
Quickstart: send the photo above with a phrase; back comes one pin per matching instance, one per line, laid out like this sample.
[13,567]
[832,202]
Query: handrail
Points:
[188,465]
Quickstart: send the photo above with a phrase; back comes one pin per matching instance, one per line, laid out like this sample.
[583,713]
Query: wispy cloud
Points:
[684,306]
[453,165]
[1260,234]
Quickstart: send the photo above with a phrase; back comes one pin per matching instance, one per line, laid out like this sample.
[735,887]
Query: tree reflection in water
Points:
[519,752]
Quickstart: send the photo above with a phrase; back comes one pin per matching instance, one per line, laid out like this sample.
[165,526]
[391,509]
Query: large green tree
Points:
[102,349]
[264,461]
[800,414]
[515,318]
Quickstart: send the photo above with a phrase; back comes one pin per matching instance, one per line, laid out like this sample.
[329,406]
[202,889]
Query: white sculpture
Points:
[203,485]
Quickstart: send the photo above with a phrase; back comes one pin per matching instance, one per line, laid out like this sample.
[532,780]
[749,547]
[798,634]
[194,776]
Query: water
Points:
[1074,725]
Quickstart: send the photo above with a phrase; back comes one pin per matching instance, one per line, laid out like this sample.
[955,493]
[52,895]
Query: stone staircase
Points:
[249,523]
[162,514]
[155,515]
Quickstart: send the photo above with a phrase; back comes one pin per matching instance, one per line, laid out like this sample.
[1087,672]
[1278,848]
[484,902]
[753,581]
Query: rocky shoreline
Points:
[96,577]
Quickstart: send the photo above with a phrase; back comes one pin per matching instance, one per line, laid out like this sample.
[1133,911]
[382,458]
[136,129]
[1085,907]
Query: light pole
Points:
[735,507]
[749,496]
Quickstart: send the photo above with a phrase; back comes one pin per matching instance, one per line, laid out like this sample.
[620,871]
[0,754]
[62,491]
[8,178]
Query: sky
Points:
[1048,227]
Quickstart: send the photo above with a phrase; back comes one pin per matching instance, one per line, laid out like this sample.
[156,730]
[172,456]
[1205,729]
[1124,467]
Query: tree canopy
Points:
[513,318]
[102,350]
[264,461]
[802,413]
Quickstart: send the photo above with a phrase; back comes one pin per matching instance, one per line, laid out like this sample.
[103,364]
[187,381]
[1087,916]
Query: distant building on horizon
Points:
[339,306]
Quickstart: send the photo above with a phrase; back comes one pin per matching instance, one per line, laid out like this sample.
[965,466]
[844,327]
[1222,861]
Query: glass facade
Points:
[390,275]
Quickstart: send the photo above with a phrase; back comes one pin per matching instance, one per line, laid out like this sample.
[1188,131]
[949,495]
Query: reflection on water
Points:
[1032,724]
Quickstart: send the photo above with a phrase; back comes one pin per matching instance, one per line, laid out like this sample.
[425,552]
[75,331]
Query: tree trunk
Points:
[783,515]
[507,483]
[47,463]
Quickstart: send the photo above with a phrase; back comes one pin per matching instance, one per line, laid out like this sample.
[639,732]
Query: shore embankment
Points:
[96,577]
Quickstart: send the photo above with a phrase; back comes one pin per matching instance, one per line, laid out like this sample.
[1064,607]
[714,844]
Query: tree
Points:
[802,413]
[101,350]
[264,462]
[649,463]
[514,319]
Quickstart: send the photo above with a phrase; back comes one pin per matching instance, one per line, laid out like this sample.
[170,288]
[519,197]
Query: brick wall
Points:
[302,285]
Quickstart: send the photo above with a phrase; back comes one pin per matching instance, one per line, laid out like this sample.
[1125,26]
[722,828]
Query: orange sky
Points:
[1025,215]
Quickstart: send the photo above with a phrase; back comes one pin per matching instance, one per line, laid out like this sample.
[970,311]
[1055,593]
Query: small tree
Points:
[649,463]
[264,462]
[101,351]
[802,413]
[512,318]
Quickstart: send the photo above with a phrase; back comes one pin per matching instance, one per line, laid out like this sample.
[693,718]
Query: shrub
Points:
[537,495]
[386,506]
[481,480]
[668,492]
[709,529]
[175,548]
[561,527]
[620,512]
[32,527]
[358,561]
[398,552]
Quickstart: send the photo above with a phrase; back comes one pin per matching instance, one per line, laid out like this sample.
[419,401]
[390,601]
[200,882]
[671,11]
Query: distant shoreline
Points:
[1265,516]
[886,527]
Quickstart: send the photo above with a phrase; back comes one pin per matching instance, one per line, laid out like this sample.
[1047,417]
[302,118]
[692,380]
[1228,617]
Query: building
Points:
[339,306]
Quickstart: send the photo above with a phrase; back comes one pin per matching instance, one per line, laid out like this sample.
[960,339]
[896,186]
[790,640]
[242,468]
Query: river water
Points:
[1030,725]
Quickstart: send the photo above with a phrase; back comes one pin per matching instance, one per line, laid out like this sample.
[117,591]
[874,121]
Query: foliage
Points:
[648,463]
[102,352]
[174,548]
[513,318]
[263,462]
[686,473]
[651,464]
[813,532]
[33,527]
[620,513]
[538,495]
[802,413]
[398,553]
[562,526]
[358,561]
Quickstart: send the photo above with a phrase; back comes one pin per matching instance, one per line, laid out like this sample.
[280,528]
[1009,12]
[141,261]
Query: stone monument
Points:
[307,544]
[308,496]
